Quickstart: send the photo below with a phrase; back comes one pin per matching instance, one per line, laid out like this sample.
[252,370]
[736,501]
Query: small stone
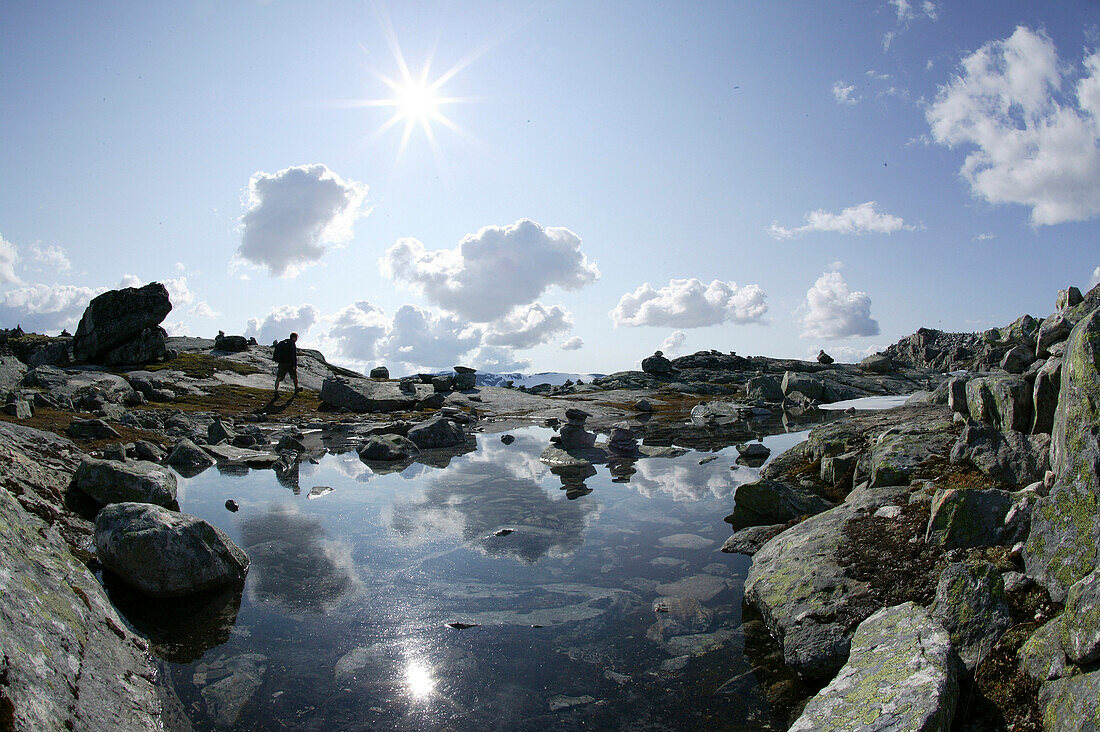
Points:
[232,505]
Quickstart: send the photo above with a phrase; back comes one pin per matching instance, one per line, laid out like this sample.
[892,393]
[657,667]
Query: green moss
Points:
[203,365]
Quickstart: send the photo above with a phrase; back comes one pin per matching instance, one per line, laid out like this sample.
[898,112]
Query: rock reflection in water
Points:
[477,499]
[180,629]
[293,566]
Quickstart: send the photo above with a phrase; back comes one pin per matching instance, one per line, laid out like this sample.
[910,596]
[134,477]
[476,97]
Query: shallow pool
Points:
[484,593]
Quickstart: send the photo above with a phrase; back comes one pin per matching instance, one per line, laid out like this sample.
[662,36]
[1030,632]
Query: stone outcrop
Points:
[798,585]
[109,481]
[365,395]
[1065,526]
[117,317]
[900,676]
[69,661]
[166,554]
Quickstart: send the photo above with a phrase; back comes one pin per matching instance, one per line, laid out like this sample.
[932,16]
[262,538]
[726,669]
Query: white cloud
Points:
[129,280]
[1036,135]
[831,310]
[421,338]
[498,360]
[691,304]
[203,310]
[906,12]
[294,213]
[985,236]
[530,326]
[51,257]
[1095,278]
[178,291]
[356,330]
[176,328]
[494,270]
[573,344]
[281,322]
[674,342]
[862,219]
[845,93]
[8,257]
[45,308]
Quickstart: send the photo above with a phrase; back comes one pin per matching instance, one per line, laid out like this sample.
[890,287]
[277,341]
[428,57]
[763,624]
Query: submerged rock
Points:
[900,676]
[166,554]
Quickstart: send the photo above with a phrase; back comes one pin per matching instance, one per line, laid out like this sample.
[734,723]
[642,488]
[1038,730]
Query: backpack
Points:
[283,352]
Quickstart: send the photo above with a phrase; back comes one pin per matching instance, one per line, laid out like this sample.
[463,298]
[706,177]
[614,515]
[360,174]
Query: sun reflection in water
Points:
[418,679]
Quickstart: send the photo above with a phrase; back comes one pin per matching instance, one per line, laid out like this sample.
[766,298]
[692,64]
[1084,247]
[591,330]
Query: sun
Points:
[417,103]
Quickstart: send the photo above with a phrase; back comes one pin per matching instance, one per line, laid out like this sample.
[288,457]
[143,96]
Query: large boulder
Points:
[970,604]
[1009,457]
[877,364]
[166,554]
[765,388]
[1044,395]
[658,365]
[972,517]
[1003,401]
[1081,621]
[69,661]
[230,343]
[388,448]
[805,596]
[808,385]
[146,347]
[900,676]
[136,481]
[436,432]
[1065,526]
[1071,704]
[773,502]
[1054,329]
[12,371]
[119,316]
[365,395]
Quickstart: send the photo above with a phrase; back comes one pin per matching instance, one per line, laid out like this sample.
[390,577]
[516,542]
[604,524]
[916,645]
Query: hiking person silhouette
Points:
[286,355]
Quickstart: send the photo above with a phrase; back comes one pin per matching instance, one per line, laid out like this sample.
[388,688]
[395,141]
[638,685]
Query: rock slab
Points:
[900,676]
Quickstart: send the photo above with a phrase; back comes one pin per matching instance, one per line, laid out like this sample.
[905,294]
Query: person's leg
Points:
[280,372]
[294,376]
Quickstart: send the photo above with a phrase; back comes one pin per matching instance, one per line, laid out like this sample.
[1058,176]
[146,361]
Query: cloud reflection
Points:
[293,565]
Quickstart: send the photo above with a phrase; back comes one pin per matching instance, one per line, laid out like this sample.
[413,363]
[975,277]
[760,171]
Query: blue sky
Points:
[607,179]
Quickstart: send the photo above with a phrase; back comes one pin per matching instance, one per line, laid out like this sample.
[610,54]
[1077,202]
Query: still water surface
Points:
[608,609]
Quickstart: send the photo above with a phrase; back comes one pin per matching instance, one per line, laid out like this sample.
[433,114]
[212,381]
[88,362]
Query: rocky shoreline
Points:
[900,558]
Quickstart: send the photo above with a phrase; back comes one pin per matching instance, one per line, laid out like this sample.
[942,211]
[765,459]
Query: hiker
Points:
[286,355]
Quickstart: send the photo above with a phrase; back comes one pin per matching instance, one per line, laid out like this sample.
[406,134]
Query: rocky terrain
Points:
[902,559]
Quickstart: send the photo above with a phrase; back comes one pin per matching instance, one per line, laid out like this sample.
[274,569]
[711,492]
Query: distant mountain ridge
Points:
[554,378]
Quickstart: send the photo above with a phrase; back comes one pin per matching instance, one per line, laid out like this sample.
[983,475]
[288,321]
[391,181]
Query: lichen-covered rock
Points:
[1009,457]
[12,371]
[436,432]
[118,316]
[1065,526]
[388,448]
[68,660]
[1042,656]
[972,517]
[898,451]
[1044,395]
[800,589]
[110,481]
[773,502]
[1002,401]
[164,553]
[749,540]
[808,385]
[1081,621]
[1071,704]
[900,676]
[188,458]
[970,604]
[766,388]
